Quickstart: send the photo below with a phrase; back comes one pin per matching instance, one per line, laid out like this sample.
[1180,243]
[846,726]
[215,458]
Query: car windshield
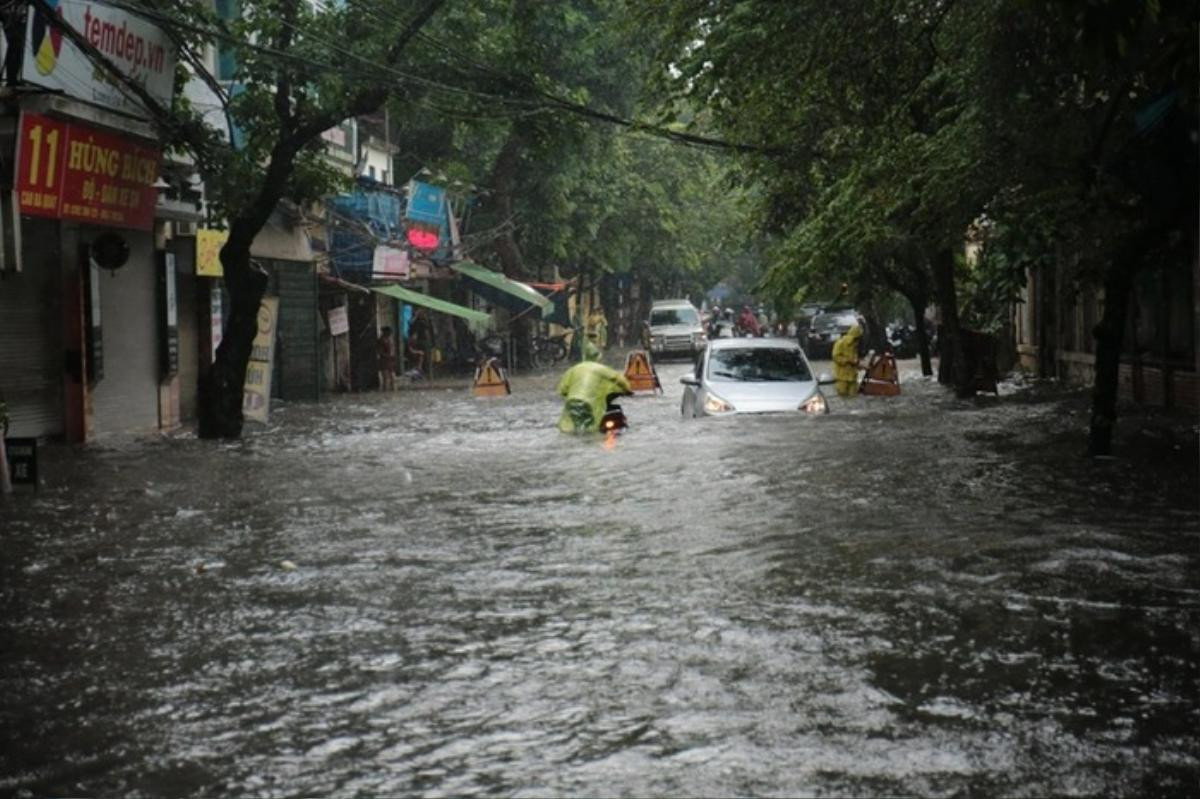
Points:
[758,365]
[673,316]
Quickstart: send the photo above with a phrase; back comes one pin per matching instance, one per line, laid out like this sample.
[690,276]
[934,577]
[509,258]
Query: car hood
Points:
[674,330]
[764,397]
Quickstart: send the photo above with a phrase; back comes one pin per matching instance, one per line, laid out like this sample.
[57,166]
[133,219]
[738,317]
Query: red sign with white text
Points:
[66,170]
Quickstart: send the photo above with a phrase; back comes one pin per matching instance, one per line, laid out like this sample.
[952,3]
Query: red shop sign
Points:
[66,170]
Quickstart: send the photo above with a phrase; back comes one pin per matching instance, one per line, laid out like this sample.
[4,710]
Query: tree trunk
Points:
[876,332]
[918,305]
[1109,333]
[220,390]
[952,338]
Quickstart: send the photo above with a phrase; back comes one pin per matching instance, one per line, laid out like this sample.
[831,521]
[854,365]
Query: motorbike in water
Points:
[613,421]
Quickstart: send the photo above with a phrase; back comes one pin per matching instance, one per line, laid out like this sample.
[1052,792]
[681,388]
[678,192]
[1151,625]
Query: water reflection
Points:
[912,596]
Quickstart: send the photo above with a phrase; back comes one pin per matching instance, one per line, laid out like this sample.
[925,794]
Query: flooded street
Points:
[425,593]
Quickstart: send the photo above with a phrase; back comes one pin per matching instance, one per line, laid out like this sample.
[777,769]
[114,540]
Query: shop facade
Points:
[88,313]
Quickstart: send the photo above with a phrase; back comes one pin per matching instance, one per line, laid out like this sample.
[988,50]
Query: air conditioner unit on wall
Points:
[185,228]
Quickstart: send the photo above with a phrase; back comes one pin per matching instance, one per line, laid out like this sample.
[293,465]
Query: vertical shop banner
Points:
[77,172]
[140,50]
[208,252]
[168,316]
[216,321]
[95,324]
[256,399]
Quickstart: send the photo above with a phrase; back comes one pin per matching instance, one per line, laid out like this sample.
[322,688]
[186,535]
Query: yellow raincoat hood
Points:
[589,383]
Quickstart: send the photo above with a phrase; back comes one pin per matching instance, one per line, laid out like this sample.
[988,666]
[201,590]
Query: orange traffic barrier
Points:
[640,372]
[490,380]
[882,377]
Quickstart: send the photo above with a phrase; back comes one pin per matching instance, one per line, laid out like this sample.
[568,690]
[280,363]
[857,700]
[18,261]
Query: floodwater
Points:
[430,594]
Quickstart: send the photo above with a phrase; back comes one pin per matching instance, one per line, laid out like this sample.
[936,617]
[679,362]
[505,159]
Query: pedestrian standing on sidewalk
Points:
[420,344]
[387,360]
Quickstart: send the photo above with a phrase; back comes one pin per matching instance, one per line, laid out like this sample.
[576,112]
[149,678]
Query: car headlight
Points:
[815,404]
[714,404]
[698,338]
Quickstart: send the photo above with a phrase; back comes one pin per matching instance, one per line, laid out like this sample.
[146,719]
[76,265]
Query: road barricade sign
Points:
[640,372]
[882,377]
[490,380]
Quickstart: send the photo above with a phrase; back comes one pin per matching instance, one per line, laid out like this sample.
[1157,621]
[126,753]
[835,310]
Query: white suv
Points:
[674,328]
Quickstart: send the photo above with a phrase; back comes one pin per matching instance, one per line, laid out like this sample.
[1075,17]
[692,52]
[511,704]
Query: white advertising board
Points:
[139,50]
[339,323]
[390,261]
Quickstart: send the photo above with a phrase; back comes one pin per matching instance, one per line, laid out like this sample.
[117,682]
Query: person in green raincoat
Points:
[846,362]
[586,387]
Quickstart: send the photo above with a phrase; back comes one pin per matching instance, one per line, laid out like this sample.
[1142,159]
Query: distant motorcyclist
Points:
[587,388]
[713,329]
[747,323]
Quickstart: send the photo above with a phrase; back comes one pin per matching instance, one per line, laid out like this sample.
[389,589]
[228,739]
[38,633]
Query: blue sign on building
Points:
[426,204]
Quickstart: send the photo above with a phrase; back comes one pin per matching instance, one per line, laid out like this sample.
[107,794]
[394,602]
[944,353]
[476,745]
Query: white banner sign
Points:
[256,399]
[137,48]
[338,321]
[390,261]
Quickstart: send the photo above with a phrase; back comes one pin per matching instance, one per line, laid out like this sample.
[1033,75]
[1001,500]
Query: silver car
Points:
[752,375]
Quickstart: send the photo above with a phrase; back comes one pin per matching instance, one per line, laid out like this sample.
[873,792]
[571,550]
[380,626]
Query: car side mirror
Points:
[689,380]
[825,379]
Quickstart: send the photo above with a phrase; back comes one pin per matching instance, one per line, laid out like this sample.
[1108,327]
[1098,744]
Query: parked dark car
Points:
[827,327]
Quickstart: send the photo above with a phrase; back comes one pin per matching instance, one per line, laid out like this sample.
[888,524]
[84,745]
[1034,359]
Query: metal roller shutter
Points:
[31,354]
[298,362]
[31,332]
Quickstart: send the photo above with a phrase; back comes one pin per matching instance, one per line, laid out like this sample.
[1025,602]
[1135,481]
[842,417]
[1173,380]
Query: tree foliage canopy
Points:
[889,126]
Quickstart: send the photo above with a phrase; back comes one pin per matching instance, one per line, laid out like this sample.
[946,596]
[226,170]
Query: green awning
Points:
[509,286]
[477,321]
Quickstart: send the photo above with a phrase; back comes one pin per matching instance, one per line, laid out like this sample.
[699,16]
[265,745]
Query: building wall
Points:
[377,160]
[1159,357]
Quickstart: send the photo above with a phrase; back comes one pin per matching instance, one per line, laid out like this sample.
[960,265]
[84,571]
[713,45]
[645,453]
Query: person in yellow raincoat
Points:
[846,362]
[586,387]
[597,328]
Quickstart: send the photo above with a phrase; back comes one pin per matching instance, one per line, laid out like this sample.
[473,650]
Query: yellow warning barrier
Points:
[882,377]
[640,372]
[490,380]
